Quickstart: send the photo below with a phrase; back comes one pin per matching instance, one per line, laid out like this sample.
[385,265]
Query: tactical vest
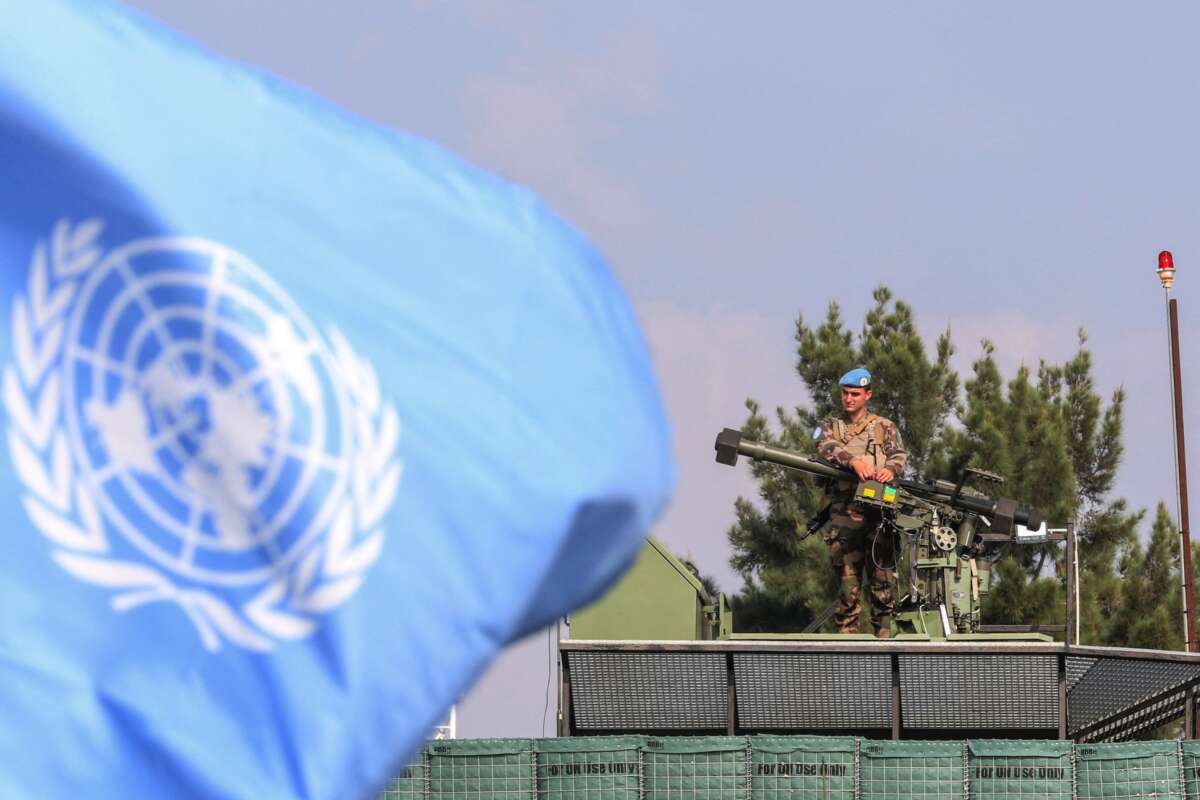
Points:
[850,438]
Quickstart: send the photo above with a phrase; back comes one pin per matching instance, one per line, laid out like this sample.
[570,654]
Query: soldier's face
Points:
[854,398]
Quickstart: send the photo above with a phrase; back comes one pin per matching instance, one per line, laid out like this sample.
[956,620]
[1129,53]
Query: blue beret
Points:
[858,378]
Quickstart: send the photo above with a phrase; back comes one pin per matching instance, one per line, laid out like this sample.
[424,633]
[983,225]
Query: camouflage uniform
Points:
[852,536]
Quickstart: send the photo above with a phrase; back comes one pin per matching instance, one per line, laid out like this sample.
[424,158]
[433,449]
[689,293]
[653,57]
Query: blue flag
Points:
[304,420]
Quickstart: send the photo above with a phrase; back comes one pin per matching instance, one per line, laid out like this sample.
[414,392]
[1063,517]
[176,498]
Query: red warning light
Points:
[1166,269]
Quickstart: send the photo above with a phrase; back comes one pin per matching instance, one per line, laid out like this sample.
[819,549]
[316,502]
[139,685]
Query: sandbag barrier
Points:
[1000,768]
[803,766]
[796,767]
[1133,769]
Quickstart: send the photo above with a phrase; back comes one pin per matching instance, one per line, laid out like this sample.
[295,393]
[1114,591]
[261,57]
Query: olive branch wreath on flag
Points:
[62,508]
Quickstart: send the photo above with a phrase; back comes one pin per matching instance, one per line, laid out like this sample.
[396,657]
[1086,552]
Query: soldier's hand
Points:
[863,468]
[885,475]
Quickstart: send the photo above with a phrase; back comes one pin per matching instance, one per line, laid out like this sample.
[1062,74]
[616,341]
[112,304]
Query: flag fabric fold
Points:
[304,420]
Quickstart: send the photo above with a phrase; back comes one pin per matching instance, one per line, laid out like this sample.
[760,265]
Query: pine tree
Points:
[1105,538]
[1107,528]
[1059,450]
[1150,610]
[1048,433]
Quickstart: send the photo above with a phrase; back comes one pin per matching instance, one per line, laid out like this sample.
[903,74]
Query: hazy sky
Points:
[1010,170]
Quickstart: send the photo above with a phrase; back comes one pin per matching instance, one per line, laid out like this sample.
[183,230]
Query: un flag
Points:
[304,420]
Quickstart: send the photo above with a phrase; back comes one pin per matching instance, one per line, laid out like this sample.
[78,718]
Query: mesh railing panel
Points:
[702,768]
[1137,724]
[591,768]
[1077,668]
[1112,685]
[792,767]
[1023,770]
[813,691]
[904,770]
[979,691]
[1127,771]
[618,691]
[964,693]
[478,768]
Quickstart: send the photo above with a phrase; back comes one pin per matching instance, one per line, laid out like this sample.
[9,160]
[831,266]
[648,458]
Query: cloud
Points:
[550,123]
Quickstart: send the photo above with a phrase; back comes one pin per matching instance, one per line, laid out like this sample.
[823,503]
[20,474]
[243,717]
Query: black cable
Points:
[549,672]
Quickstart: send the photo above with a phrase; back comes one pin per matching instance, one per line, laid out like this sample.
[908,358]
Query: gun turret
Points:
[950,533]
[1002,513]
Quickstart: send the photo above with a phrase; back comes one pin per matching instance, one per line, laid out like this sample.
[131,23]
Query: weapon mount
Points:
[949,534]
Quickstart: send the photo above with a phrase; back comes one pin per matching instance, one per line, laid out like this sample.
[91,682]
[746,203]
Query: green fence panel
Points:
[1134,769]
[819,767]
[1004,768]
[476,768]
[696,768]
[589,768]
[1191,770]
[408,785]
[902,770]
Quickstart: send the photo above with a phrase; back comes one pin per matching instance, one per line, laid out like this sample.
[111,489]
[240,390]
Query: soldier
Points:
[870,446]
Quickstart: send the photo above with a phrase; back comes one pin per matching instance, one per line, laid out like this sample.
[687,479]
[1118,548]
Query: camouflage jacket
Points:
[874,438]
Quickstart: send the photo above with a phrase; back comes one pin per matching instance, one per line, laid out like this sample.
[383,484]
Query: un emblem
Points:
[186,435]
